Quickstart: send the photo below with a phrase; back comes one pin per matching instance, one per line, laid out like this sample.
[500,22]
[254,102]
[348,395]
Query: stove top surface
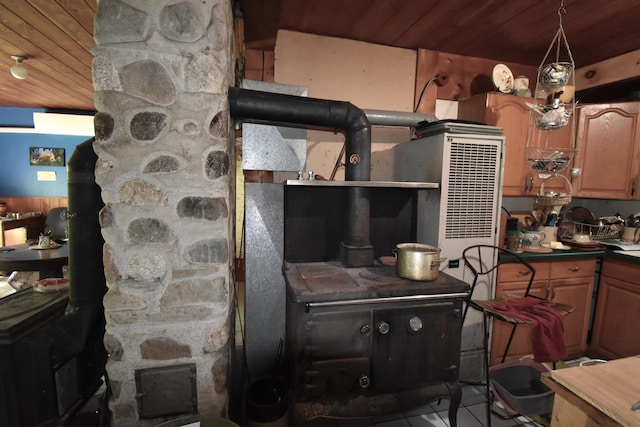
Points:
[330,281]
[23,310]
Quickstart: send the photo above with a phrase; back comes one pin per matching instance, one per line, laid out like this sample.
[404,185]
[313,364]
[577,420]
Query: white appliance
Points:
[465,210]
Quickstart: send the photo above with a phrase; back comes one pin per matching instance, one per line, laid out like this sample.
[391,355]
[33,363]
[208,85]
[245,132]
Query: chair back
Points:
[483,262]
[56,222]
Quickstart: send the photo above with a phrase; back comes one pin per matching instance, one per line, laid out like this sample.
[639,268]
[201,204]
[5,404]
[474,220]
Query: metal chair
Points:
[483,261]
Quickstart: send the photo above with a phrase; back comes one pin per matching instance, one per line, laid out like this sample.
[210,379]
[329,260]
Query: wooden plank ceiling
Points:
[57,35]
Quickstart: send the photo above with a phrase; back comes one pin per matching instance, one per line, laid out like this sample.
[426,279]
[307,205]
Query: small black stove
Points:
[364,342]
[46,370]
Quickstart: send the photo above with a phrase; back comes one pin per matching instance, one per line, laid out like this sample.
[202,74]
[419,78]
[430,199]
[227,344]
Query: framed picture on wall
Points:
[45,156]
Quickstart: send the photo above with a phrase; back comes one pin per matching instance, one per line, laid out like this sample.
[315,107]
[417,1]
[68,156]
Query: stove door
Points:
[336,352]
[416,345]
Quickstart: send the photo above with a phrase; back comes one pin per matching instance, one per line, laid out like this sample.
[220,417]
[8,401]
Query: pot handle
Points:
[436,263]
[394,251]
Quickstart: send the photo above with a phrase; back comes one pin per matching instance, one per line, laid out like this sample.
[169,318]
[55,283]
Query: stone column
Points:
[163,137]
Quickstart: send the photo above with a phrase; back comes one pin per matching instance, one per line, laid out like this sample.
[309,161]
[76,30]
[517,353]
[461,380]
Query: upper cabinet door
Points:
[608,143]
[513,115]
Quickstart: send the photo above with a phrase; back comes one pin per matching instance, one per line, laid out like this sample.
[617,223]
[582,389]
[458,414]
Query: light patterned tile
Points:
[427,420]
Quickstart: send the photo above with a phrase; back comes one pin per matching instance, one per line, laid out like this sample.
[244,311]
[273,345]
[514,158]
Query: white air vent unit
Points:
[472,178]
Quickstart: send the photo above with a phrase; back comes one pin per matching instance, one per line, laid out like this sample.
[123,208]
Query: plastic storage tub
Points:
[518,387]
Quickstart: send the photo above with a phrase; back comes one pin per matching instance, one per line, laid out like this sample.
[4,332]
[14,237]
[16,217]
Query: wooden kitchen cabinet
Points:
[513,115]
[617,317]
[568,281]
[608,144]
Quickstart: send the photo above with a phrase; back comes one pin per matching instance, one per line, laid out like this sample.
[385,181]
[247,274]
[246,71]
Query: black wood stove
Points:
[360,340]
[364,342]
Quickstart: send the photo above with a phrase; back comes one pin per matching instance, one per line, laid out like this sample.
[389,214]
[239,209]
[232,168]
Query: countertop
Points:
[603,252]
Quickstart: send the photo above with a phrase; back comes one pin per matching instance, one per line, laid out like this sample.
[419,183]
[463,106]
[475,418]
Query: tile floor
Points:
[470,414]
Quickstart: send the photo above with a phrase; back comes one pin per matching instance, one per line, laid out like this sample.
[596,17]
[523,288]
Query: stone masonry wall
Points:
[161,73]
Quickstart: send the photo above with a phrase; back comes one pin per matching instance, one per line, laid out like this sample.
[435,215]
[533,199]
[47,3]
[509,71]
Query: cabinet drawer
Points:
[517,273]
[573,268]
[622,270]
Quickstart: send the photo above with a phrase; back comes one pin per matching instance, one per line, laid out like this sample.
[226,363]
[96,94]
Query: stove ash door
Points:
[337,347]
[416,345]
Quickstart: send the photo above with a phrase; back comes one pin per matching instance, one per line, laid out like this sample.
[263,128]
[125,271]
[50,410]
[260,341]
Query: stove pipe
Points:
[86,270]
[274,108]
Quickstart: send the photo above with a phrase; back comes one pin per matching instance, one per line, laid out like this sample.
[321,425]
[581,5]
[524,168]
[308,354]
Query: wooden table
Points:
[596,395]
[48,262]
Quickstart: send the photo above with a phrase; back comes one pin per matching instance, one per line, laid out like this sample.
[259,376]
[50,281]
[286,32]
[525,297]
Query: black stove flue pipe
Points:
[86,268]
[84,320]
[273,108]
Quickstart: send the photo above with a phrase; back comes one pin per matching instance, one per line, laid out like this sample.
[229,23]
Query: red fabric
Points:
[547,332]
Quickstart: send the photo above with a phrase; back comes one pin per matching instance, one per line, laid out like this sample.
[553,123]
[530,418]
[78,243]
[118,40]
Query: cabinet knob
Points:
[524,272]
[574,269]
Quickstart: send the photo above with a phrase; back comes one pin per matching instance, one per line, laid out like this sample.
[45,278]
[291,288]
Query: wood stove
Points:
[362,341]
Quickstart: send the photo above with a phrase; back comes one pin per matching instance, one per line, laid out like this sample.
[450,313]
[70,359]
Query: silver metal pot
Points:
[416,261]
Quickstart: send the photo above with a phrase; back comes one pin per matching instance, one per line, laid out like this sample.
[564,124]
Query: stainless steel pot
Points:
[416,261]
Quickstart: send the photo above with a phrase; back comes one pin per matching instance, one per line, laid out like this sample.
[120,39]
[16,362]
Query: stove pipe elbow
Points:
[273,108]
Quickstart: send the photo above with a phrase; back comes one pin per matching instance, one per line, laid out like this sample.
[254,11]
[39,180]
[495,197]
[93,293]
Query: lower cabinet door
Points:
[617,320]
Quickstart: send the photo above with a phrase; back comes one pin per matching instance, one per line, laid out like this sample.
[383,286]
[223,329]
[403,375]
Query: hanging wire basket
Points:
[554,106]
[552,160]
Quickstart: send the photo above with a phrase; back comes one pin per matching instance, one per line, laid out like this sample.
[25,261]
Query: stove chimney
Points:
[274,108]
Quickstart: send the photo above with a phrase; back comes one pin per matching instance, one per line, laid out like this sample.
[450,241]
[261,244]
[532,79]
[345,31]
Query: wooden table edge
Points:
[590,410]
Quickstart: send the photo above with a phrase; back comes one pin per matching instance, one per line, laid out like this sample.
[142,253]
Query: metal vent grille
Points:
[473,180]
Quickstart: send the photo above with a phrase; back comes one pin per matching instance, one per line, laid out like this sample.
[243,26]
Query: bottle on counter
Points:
[565,228]
[514,241]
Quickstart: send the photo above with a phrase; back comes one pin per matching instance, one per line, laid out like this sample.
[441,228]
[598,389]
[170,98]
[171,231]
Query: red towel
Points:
[547,332]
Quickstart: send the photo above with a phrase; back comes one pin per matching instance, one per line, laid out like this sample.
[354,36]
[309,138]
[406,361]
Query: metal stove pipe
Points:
[274,108]
[82,327]
[86,270]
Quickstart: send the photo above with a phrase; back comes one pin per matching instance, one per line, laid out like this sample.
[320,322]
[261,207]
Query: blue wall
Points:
[17,177]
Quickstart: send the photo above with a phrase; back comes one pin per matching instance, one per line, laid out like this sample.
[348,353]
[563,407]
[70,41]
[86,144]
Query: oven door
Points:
[415,345]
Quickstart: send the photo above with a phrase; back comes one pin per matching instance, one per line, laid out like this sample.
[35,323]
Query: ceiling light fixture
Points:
[19,71]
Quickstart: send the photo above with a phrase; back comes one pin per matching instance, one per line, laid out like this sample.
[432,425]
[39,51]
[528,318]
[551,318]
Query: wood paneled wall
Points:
[33,204]
[467,76]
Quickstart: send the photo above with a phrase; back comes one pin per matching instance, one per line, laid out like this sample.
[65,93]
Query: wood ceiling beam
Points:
[613,70]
